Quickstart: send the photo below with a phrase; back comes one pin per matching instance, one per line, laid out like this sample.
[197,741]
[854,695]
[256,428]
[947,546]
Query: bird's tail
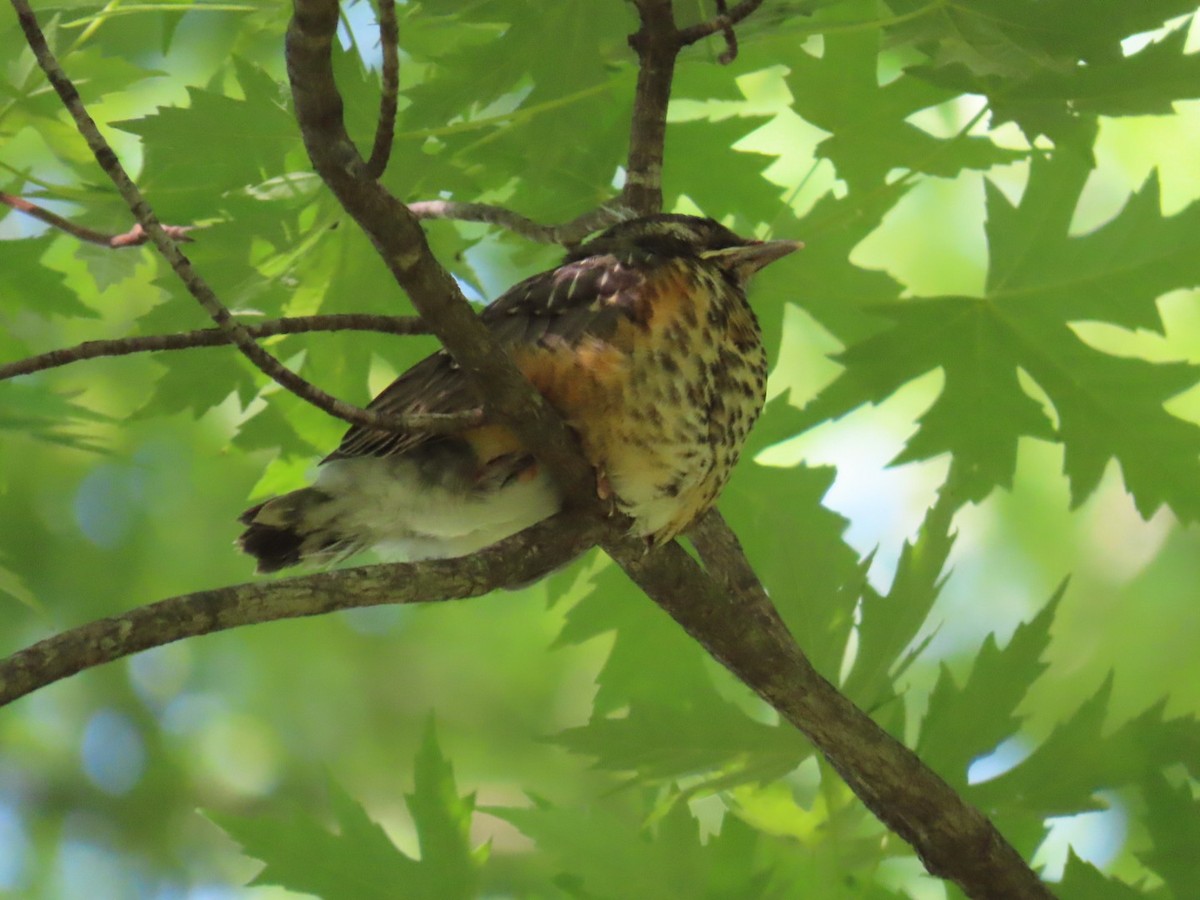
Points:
[296,527]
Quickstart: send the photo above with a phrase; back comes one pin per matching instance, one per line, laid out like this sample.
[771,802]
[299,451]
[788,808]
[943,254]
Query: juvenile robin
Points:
[642,339]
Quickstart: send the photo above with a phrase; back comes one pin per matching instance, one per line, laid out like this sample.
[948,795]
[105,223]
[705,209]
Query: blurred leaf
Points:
[11,584]
[28,285]
[360,860]
[1082,881]
[1044,90]
[197,380]
[1062,776]
[301,855]
[448,867]
[51,417]
[1174,825]
[599,857]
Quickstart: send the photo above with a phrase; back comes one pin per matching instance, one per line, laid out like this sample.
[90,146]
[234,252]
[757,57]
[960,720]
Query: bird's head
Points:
[664,236]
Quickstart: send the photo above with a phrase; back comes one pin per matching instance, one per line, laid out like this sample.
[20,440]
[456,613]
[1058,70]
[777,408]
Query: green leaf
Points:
[659,742]
[52,417]
[823,281]
[870,134]
[1062,776]
[27,285]
[1144,83]
[260,126]
[360,860]
[679,722]
[449,867]
[12,586]
[1173,820]
[1050,75]
[605,852]
[301,855]
[1018,38]
[696,150]
[778,515]
[197,380]
[1040,280]
[964,723]
[890,624]
[1083,881]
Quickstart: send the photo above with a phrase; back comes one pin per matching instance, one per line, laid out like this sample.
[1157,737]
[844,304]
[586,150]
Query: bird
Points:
[642,339]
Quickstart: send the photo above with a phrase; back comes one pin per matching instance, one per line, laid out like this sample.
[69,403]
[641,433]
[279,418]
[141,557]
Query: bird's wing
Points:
[587,297]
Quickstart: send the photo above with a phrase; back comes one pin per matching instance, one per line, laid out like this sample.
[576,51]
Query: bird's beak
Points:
[749,258]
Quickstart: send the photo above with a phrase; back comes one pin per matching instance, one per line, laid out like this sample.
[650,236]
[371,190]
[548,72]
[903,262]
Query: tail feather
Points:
[288,530]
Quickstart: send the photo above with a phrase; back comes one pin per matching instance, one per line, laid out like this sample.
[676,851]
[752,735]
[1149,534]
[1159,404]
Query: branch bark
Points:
[517,561]
[211,337]
[134,237]
[398,238]
[389,40]
[724,22]
[737,624]
[568,233]
[657,44]
[179,263]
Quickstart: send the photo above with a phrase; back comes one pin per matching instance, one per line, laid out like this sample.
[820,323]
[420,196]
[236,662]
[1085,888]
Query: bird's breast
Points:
[664,404]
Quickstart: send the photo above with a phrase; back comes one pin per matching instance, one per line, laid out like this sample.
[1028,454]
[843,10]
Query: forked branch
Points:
[134,237]
[167,246]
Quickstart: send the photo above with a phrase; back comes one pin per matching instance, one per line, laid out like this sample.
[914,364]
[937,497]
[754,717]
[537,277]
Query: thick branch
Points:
[397,236]
[743,631]
[134,237]
[181,265]
[657,44]
[517,561]
[568,233]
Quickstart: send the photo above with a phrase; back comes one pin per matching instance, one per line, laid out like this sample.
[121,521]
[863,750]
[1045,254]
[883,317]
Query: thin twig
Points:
[134,237]
[179,263]
[211,337]
[724,22]
[389,39]
[567,234]
[520,559]
[729,54]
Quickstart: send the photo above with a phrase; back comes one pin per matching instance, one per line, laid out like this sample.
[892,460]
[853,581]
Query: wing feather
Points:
[586,297]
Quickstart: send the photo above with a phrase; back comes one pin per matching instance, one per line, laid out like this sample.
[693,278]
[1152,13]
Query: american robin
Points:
[642,339]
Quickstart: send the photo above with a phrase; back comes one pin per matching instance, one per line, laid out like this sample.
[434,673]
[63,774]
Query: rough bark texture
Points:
[517,561]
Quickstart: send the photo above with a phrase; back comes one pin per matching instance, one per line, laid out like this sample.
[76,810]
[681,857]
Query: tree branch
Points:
[724,22]
[398,238]
[657,44]
[568,233]
[435,423]
[514,562]
[212,337]
[741,629]
[389,40]
[134,237]
[181,265]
